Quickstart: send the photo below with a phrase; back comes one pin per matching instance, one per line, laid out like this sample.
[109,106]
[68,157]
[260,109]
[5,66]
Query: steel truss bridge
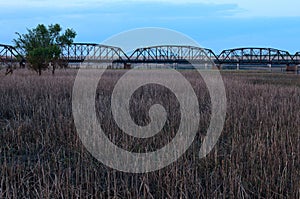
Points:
[164,54]
[9,55]
[79,52]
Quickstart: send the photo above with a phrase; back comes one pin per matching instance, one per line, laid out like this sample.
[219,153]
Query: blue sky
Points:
[213,24]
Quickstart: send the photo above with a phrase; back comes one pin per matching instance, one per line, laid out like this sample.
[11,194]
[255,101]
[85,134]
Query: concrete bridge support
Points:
[293,68]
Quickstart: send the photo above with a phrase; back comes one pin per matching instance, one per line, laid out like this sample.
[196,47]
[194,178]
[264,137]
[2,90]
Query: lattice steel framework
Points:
[296,57]
[172,54]
[79,52]
[9,55]
[256,56]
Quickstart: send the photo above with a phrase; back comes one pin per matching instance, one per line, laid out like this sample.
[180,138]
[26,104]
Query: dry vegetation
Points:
[257,155]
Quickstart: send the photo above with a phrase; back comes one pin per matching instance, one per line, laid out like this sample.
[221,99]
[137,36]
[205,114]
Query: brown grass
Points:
[257,156]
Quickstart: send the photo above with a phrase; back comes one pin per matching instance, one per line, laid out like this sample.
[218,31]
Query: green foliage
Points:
[41,45]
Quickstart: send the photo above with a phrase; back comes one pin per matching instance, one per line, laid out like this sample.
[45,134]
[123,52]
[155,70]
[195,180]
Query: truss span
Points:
[9,55]
[296,57]
[256,56]
[79,52]
[172,54]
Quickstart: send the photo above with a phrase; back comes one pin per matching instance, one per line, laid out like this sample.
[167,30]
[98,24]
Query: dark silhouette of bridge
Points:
[164,54]
[79,52]
[8,54]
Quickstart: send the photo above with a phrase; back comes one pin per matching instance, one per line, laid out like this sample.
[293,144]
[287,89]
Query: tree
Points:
[42,46]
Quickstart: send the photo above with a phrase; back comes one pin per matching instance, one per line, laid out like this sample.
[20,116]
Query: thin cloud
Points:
[254,8]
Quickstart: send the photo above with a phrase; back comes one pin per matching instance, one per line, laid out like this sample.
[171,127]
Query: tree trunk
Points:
[40,71]
[53,69]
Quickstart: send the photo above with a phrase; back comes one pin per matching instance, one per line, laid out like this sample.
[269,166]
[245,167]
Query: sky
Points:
[217,25]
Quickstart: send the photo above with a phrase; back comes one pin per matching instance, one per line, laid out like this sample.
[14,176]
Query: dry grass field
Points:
[257,155]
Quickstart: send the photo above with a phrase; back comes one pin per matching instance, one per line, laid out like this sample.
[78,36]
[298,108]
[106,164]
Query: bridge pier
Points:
[293,68]
[127,66]
[270,67]
[237,66]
